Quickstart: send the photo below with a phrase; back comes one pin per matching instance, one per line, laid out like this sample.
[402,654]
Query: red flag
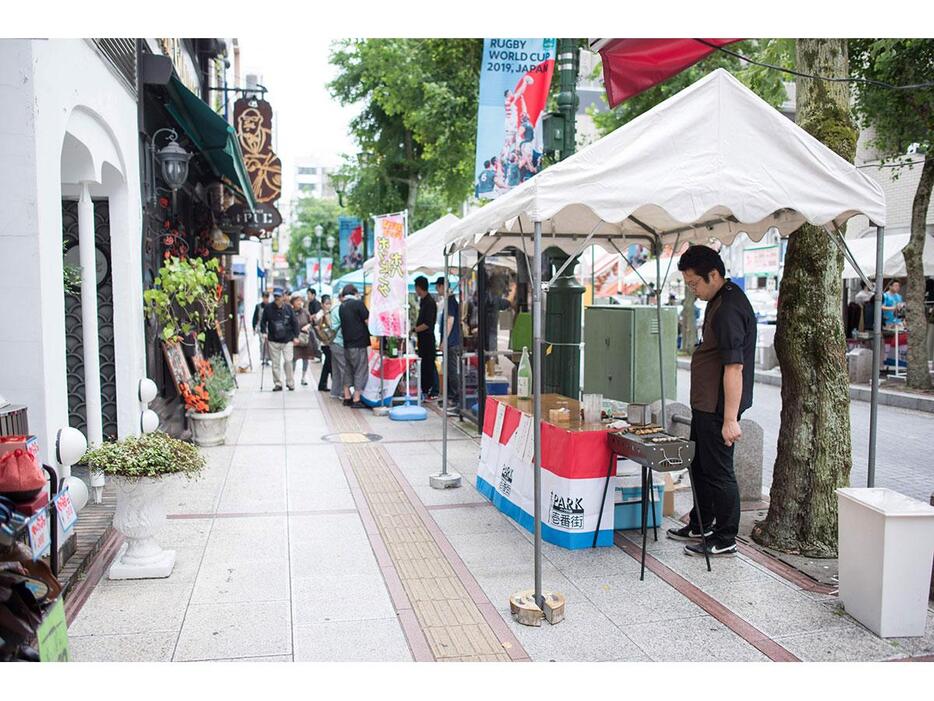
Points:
[631,66]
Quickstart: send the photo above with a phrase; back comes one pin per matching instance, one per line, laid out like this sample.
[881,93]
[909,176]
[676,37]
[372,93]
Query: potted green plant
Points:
[139,466]
[207,400]
[185,297]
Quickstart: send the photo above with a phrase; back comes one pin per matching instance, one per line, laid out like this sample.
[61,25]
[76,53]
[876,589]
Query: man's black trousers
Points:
[429,374]
[714,478]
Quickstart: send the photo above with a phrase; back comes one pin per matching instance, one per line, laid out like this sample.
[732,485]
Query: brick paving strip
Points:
[742,628]
[444,613]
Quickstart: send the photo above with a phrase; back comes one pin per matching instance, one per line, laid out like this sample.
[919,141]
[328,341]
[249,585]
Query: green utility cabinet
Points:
[621,353]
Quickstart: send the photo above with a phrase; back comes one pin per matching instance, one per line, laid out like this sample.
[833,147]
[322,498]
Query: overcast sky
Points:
[308,121]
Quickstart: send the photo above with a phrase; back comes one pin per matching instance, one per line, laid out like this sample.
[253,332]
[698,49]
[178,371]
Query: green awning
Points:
[212,136]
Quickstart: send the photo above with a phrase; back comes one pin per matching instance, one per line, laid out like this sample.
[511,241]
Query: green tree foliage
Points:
[899,118]
[417,124]
[312,212]
[765,82]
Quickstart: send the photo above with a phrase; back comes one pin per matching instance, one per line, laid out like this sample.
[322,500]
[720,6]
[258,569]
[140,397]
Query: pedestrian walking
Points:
[356,337]
[453,324]
[425,334]
[303,350]
[722,376]
[257,319]
[281,327]
[338,367]
[313,306]
[321,323]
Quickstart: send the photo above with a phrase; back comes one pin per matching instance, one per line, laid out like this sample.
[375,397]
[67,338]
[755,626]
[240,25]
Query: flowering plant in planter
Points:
[208,393]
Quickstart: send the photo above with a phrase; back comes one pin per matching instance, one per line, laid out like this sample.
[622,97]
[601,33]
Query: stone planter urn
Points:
[139,515]
[209,429]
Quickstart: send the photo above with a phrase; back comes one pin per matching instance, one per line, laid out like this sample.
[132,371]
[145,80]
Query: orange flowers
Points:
[196,398]
[203,368]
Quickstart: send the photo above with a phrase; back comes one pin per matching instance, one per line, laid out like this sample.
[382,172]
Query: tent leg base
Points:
[444,481]
[527,613]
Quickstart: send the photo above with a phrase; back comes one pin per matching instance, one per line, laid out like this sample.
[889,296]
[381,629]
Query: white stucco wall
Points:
[48,87]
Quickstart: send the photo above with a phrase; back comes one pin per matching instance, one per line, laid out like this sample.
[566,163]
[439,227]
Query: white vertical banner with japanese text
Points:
[389,297]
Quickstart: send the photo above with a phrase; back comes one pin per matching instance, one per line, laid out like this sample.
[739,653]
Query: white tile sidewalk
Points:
[274,564]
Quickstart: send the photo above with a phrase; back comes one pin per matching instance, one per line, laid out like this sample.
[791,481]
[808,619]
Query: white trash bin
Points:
[886,547]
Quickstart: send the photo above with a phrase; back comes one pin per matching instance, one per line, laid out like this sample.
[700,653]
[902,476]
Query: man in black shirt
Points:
[356,335]
[425,333]
[257,318]
[722,377]
[281,326]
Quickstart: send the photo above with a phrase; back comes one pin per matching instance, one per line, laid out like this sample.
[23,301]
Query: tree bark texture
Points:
[919,377]
[813,457]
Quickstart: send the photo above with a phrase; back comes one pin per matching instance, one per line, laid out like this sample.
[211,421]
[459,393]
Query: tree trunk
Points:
[688,323]
[919,377]
[813,457]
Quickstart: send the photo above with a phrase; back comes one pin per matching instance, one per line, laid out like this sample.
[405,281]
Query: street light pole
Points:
[319,232]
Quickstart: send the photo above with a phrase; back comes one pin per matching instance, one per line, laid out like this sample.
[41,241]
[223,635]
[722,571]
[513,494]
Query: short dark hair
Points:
[702,260]
[441,281]
[421,282]
[349,290]
[266,294]
[325,299]
[311,291]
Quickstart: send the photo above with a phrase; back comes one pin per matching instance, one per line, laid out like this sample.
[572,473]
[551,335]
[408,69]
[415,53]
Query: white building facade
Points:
[70,177]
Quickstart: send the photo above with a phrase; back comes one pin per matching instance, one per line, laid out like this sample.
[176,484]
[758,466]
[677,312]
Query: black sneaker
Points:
[714,549]
[277,388]
[358,405]
[686,533]
[304,383]
[292,388]
[348,402]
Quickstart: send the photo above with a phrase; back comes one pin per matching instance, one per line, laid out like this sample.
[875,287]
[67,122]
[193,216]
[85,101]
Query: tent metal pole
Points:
[876,357]
[444,370]
[658,314]
[537,406]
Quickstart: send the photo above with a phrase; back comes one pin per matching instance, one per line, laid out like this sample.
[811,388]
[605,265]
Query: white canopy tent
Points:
[864,253]
[710,162]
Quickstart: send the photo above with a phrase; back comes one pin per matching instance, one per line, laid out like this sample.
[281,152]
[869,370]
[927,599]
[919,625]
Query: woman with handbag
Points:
[303,350]
[322,327]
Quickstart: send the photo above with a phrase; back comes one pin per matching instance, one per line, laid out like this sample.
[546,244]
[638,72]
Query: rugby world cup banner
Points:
[390,289]
[514,80]
[574,466]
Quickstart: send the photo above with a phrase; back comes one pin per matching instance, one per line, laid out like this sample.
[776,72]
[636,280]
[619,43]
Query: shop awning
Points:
[212,136]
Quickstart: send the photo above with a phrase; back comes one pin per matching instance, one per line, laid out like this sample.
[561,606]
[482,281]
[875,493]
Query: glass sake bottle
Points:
[524,376]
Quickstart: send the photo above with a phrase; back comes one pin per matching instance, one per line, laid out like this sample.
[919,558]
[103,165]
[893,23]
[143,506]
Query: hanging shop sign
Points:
[253,121]
[389,300]
[259,222]
[515,76]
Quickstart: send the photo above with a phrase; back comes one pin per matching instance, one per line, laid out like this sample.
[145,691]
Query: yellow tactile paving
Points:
[453,625]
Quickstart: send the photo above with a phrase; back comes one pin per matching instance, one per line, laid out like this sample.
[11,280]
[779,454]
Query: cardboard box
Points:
[671,488]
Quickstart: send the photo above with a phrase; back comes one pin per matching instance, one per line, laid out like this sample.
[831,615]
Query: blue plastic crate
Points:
[629,516]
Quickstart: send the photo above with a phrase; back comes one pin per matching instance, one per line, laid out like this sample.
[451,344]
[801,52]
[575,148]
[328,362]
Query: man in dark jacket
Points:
[281,327]
[257,318]
[425,333]
[356,337]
